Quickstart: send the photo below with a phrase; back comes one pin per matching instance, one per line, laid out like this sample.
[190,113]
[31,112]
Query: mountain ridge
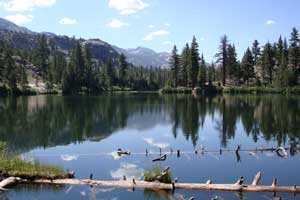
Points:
[145,56]
[23,38]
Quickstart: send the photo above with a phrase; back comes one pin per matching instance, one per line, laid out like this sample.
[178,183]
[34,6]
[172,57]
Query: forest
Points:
[273,65]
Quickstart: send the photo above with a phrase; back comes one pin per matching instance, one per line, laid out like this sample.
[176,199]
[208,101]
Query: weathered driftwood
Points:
[163,186]
[283,154]
[8,182]
[256,179]
[251,152]
[161,158]
[120,152]
[240,181]
[239,186]
[238,150]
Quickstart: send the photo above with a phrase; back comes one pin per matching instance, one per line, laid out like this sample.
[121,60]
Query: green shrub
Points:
[178,90]
[150,175]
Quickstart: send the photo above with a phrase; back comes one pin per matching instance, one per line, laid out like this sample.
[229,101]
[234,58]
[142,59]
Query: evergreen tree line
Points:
[11,72]
[78,72]
[272,64]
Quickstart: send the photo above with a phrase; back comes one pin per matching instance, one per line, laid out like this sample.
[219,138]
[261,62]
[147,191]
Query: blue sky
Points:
[159,24]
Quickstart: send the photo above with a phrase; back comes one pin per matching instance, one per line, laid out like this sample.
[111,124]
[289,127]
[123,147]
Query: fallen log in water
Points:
[161,158]
[120,152]
[284,153]
[236,187]
[8,182]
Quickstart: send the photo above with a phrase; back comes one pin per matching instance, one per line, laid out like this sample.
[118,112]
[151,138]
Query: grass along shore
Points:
[261,90]
[232,90]
[18,167]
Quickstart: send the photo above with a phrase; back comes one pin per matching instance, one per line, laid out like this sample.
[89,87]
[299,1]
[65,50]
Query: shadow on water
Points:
[44,121]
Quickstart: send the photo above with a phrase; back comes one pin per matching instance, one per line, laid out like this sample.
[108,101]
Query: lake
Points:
[82,133]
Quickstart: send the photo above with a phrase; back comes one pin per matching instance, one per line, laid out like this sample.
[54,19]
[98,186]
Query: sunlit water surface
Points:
[82,134]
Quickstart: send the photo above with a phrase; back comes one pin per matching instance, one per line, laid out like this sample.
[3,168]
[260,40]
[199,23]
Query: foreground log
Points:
[238,186]
[163,186]
[8,182]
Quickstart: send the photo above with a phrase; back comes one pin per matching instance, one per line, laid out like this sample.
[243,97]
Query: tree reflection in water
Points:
[44,121]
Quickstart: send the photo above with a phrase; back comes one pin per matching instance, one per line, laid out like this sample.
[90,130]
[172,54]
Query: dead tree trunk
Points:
[235,187]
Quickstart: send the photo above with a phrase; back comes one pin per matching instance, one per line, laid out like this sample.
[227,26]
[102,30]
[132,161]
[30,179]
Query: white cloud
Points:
[128,12]
[82,193]
[68,158]
[114,23]
[151,35]
[202,39]
[131,171]
[27,5]
[270,22]
[166,43]
[151,142]
[19,18]
[151,26]
[167,24]
[67,21]
[115,155]
[127,7]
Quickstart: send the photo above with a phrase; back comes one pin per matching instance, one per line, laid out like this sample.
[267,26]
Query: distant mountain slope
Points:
[23,38]
[144,56]
[9,26]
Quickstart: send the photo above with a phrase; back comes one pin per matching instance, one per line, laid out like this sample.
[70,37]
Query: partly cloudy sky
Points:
[158,24]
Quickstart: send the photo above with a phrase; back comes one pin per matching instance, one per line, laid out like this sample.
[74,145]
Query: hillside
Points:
[142,56]
[23,38]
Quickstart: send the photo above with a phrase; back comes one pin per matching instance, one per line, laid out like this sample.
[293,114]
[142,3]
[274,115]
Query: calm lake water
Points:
[82,134]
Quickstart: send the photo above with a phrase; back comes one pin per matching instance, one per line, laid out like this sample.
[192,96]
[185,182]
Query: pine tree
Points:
[41,56]
[202,72]
[268,63]
[1,60]
[174,66]
[210,75]
[110,75]
[232,61]
[256,52]
[79,63]
[74,75]
[222,57]
[282,75]
[247,66]
[294,57]
[123,70]
[10,69]
[184,65]
[194,63]
[23,78]
[70,79]
[57,65]
[90,79]
[279,50]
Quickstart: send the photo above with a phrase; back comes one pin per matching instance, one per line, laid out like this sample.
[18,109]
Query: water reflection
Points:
[129,170]
[44,121]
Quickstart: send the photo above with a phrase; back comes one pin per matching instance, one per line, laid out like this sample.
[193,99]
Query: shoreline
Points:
[255,90]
